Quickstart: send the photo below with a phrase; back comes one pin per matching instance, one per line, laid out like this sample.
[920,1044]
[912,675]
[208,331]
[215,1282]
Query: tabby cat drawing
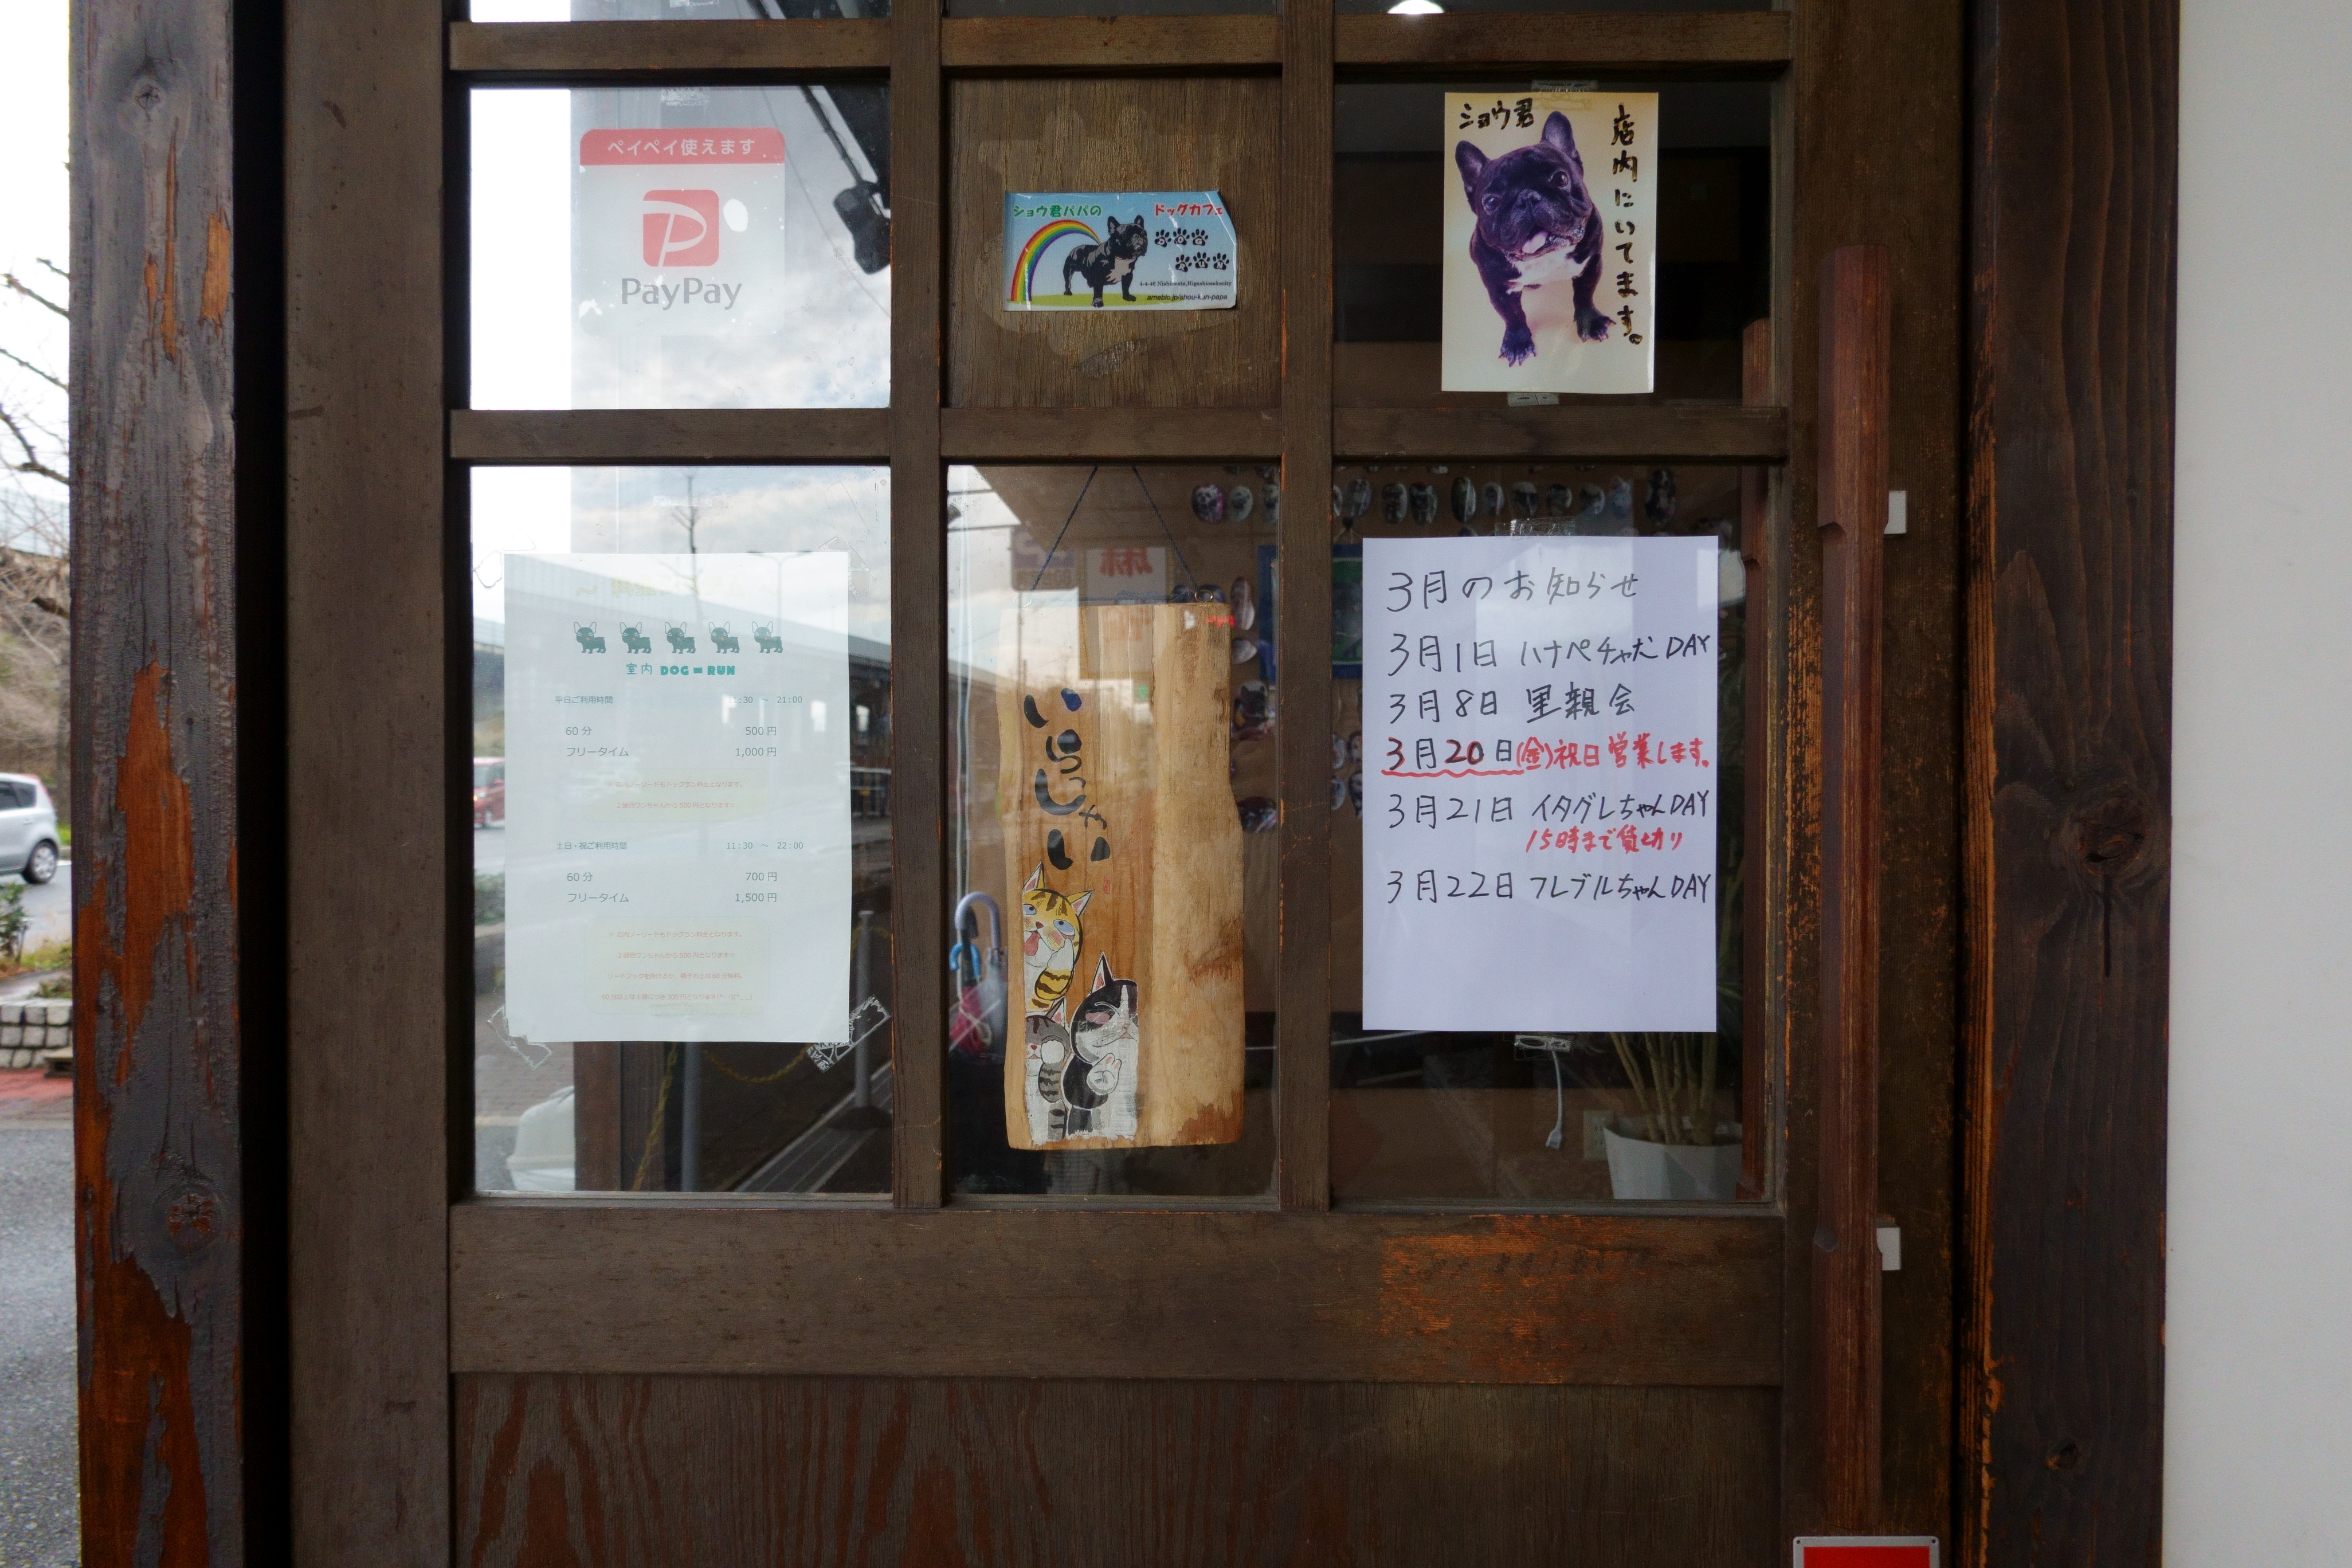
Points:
[1051,930]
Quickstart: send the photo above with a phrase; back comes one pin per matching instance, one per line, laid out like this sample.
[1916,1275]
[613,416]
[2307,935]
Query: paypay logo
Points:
[681,228]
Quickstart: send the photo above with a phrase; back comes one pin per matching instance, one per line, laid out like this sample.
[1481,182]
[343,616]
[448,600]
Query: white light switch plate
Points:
[1898,511]
[1890,1249]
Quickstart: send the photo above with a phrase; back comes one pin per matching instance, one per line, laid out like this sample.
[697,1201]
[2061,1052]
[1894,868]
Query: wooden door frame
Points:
[255,418]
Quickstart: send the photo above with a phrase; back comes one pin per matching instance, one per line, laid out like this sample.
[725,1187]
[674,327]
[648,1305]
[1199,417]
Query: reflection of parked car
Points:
[28,828]
[489,791]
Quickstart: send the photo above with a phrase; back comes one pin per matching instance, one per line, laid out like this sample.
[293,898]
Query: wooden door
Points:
[1313,1352]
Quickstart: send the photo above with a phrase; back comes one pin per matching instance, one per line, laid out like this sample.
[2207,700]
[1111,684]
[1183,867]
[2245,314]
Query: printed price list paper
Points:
[678,797]
[1540,809]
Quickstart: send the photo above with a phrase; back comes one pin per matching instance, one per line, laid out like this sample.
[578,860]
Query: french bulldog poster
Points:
[1131,251]
[1550,241]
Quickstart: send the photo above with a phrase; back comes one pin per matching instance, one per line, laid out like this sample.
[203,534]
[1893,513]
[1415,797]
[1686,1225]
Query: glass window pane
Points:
[1433,8]
[1110,7]
[1111,682]
[1395,181]
[720,246]
[671,10]
[1543,1113]
[681,784]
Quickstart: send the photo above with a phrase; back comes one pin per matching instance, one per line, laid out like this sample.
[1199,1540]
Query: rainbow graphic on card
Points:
[1124,250]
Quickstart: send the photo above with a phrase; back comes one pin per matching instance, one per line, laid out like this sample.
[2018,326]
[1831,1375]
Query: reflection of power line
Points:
[828,111]
[856,207]
[794,170]
[864,207]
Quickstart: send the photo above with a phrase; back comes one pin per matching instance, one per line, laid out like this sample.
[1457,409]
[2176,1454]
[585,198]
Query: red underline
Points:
[1456,773]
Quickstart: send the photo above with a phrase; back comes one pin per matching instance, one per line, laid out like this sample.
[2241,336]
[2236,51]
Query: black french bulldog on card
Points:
[1537,225]
[1115,257]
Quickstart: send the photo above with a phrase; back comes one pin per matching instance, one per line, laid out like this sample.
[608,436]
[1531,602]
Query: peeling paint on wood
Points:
[156,1047]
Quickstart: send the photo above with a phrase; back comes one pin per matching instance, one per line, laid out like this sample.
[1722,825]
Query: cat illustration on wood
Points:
[1051,929]
[1082,1078]
[1049,1054]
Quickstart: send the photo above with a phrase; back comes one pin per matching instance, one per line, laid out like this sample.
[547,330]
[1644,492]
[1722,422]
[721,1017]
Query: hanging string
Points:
[1179,549]
[656,1121]
[1066,525]
[711,1059]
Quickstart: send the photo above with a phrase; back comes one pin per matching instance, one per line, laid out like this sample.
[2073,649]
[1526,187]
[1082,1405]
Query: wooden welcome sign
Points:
[1125,849]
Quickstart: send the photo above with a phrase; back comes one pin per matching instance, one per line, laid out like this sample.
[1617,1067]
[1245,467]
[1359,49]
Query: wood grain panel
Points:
[1870,127]
[159,1053]
[576,51]
[2070,778]
[1857,328]
[670,435]
[1727,42]
[1303,615]
[1097,134]
[1096,44]
[1629,432]
[1757,915]
[580,1287]
[617,1471]
[919,617]
[375,727]
[1162,906]
[1135,435]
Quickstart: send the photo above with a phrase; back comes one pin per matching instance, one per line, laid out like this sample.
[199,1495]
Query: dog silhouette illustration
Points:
[769,641]
[634,640]
[724,641]
[584,633]
[1112,261]
[679,642]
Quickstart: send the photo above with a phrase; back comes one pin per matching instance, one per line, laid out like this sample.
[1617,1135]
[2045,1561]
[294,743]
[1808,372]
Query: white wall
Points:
[2258,1409]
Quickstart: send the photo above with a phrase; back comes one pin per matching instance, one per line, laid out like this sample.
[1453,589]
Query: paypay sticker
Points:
[679,232]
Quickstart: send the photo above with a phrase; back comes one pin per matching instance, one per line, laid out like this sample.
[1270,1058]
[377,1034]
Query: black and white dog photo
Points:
[1537,225]
[1111,261]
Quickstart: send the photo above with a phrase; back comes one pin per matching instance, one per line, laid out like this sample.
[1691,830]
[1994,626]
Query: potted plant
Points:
[1674,1147]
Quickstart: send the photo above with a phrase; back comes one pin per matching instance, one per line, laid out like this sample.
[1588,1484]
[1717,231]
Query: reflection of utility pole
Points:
[688,516]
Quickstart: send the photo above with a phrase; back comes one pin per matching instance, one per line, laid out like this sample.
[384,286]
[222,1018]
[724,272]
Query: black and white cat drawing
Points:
[1102,1049]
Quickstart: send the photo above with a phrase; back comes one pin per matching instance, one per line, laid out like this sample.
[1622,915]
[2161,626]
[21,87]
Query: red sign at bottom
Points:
[1867,1551]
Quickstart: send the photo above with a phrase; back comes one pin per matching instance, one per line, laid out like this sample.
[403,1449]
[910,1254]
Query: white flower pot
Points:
[1641,1169]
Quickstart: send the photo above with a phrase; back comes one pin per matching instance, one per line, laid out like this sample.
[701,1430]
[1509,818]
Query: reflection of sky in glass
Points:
[831,345]
[980,574]
[644,510]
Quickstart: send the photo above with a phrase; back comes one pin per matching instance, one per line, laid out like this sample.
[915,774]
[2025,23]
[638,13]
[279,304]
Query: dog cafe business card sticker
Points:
[1550,241]
[679,232]
[1128,250]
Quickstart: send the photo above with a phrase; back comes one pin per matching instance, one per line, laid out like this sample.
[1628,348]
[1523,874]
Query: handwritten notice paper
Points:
[678,797]
[1542,789]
